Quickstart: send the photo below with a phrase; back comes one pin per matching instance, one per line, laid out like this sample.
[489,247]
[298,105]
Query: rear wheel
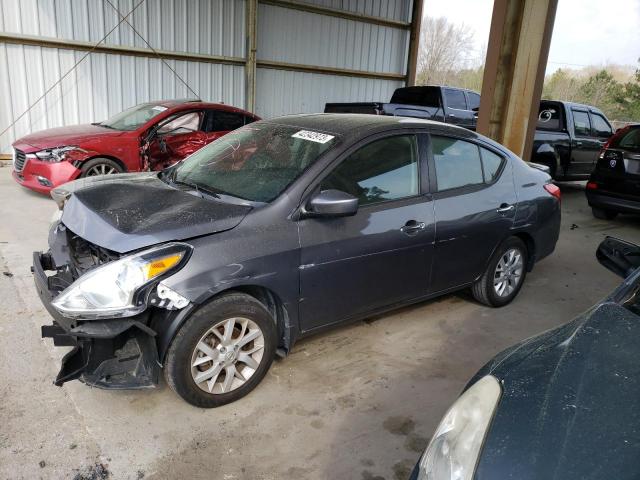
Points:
[222,352]
[504,275]
[603,214]
[100,166]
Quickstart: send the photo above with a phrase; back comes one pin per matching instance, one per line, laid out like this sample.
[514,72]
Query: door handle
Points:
[504,208]
[412,227]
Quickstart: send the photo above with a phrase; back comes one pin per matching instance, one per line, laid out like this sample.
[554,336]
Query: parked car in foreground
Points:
[614,185]
[275,231]
[568,138]
[453,105]
[149,136]
[562,405]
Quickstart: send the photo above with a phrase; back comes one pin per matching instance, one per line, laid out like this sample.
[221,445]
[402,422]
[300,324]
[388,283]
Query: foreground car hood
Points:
[129,212]
[570,406]
[62,136]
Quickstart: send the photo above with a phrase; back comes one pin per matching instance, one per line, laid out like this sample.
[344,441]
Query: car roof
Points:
[194,102]
[351,125]
[581,106]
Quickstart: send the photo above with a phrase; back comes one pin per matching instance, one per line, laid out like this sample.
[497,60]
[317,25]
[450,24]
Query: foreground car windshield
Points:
[133,117]
[254,163]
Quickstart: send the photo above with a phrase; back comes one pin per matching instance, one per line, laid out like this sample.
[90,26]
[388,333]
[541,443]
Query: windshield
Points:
[256,162]
[134,117]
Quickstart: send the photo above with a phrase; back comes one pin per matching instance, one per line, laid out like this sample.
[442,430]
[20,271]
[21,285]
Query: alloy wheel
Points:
[508,273]
[227,355]
[101,169]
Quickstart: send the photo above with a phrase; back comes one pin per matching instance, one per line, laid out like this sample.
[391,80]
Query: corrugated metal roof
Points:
[104,83]
[280,92]
[214,27]
[294,36]
[389,9]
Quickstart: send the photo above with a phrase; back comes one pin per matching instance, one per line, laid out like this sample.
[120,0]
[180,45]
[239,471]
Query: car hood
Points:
[569,407]
[128,212]
[63,136]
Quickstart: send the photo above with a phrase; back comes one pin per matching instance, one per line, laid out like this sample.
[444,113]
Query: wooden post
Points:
[252,46]
[514,71]
[414,42]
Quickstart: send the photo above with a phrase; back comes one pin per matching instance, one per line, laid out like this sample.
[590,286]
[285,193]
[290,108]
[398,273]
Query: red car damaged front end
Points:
[42,173]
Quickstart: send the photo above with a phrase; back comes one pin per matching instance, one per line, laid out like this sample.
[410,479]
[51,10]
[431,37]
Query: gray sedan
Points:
[209,269]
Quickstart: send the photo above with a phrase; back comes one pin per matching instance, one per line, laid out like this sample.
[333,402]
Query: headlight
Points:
[118,288]
[53,154]
[454,449]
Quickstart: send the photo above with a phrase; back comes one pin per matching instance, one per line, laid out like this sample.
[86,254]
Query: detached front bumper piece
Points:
[112,353]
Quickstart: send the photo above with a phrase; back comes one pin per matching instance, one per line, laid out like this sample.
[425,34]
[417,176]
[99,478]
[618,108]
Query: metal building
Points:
[270,56]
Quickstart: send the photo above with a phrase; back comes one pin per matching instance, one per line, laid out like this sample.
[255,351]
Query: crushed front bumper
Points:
[111,353]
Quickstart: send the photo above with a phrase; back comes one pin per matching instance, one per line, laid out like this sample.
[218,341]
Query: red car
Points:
[150,136]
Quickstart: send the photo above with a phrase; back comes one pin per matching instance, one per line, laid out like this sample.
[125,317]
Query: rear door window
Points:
[601,127]
[581,123]
[385,169]
[474,101]
[491,165]
[455,99]
[457,163]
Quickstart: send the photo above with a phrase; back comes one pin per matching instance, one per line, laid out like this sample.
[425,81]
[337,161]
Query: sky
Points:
[586,32]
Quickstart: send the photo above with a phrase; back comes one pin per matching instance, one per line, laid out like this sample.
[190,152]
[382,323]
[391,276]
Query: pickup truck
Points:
[568,138]
[444,104]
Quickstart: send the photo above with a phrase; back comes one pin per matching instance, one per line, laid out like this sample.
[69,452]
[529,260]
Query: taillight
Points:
[553,190]
[592,186]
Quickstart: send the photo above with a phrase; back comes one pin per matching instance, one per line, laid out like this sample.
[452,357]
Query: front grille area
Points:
[19,159]
[86,255]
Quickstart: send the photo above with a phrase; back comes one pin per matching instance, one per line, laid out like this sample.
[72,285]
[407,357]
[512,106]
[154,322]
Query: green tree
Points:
[628,98]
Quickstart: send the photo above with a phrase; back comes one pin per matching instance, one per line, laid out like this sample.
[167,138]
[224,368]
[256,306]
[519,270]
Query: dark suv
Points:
[614,185]
[274,231]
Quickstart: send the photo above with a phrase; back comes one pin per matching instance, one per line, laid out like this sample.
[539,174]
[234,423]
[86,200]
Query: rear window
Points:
[424,96]
[549,117]
[629,140]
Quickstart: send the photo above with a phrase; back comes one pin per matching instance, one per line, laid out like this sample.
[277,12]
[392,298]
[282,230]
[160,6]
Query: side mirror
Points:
[332,203]
[621,257]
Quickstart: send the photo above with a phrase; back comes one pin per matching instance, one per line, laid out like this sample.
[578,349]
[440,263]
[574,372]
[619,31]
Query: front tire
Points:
[504,275]
[222,352]
[100,166]
[603,214]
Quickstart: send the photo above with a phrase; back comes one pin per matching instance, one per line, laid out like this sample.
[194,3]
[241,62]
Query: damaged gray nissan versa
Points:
[209,269]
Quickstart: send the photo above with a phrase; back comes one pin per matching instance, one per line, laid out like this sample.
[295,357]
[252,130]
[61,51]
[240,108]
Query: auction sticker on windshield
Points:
[313,136]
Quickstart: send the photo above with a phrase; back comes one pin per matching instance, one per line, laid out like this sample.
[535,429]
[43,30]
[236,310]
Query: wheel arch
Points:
[530,243]
[267,297]
[80,163]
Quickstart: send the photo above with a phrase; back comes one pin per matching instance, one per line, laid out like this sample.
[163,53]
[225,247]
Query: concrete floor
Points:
[359,402]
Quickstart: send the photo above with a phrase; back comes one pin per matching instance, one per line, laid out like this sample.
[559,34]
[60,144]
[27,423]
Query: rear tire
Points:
[509,264]
[224,369]
[100,166]
[603,214]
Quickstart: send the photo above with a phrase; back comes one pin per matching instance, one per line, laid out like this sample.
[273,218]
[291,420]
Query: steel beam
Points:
[297,67]
[51,42]
[414,42]
[332,12]
[514,71]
